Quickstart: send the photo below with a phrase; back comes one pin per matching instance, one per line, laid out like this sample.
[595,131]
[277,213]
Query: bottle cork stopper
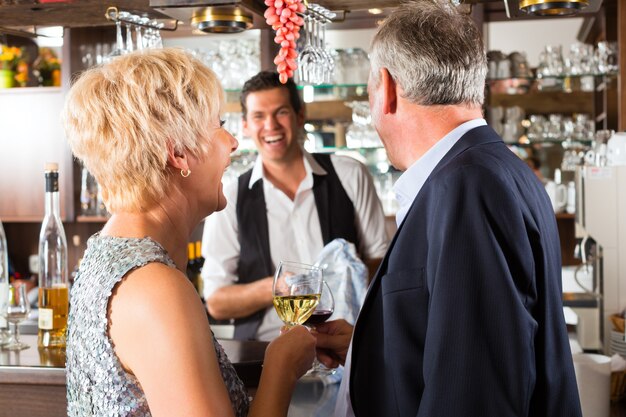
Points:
[51,166]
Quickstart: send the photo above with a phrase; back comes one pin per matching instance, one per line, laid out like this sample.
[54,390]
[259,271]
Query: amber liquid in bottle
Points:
[53,309]
[53,275]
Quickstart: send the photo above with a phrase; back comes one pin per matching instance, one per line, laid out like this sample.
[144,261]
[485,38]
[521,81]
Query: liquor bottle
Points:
[191,262]
[53,277]
[199,265]
[4,281]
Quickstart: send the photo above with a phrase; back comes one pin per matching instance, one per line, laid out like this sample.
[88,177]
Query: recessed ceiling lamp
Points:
[375,11]
[552,7]
[221,19]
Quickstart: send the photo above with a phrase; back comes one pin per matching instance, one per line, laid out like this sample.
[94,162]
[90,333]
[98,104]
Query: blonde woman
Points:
[139,344]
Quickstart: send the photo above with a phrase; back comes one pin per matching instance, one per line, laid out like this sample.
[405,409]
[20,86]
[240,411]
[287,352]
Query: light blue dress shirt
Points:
[411,181]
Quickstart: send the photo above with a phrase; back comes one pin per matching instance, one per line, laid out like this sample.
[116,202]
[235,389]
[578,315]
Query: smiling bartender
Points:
[287,207]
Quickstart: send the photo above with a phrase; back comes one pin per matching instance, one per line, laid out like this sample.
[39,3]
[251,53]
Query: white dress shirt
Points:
[294,227]
[406,188]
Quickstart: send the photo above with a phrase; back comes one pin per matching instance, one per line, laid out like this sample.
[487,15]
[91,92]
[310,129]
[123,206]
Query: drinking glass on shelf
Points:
[297,289]
[119,40]
[607,57]
[325,308]
[16,309]
[129,33]
[309,59]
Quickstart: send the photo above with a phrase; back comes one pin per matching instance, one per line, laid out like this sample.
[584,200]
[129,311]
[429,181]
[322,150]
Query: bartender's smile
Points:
[274,138]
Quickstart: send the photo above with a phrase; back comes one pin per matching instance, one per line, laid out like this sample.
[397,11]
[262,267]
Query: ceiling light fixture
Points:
[375,11]
[552,7]
[224,19]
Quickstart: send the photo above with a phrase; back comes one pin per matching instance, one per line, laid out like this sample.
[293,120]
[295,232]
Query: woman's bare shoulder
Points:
[148,304]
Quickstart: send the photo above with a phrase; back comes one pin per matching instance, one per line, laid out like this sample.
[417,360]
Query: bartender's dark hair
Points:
[267,80]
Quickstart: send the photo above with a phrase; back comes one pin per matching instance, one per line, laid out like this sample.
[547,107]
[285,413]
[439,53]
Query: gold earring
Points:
[185,174]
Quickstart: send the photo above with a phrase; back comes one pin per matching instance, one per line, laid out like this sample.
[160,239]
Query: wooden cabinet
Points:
[544,102]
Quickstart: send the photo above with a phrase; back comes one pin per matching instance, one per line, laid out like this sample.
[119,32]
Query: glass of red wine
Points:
[322,312]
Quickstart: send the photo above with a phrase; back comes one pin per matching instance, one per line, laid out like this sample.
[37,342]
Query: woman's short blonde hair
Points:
[120,117]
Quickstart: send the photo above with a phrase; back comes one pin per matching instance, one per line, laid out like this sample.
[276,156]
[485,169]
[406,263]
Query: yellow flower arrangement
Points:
[10,57]
[48,67]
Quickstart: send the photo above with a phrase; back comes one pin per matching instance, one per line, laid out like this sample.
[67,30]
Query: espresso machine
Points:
[601,220]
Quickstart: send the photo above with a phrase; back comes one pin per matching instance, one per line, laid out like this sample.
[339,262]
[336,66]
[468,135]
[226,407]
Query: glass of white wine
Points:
[297,289]
[16,310]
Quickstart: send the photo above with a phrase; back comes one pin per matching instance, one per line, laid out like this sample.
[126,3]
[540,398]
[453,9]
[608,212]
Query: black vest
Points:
[255,261]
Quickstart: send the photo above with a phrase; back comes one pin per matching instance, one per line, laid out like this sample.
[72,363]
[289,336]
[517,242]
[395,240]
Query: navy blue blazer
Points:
[464,317]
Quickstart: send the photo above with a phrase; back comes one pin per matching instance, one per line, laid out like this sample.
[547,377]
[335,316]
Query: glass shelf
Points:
[326,149]
[313,93]
[315,87]
[545,143]
[555,77]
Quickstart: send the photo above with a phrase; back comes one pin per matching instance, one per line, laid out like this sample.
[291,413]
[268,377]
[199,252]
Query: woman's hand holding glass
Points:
[297,289]
[291,352]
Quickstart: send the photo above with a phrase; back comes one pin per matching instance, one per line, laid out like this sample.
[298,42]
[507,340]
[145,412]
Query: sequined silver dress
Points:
[97,385]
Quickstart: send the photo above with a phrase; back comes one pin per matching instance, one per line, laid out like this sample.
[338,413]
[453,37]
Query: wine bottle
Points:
[199,265]
[191,262]
[4,279]
[53,276]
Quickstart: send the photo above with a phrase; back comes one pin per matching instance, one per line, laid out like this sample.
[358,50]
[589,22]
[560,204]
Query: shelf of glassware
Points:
[546,102]
[322,102]
[565,143]
[550,94]
[569,82]
[371,156]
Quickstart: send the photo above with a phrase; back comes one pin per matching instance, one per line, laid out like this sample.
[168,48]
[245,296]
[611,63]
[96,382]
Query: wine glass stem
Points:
[14,334]
[17,333]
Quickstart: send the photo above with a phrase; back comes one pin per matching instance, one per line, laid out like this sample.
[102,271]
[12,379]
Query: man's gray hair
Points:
[433,52]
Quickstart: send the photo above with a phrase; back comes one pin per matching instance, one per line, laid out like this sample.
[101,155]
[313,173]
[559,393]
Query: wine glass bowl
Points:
[297,289]
[16,309]
[325,308]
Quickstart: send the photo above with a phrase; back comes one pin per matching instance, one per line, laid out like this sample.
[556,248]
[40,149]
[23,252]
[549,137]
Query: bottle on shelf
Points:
[88,193]
[199,265]
[191,263]
[194,265]
[191,258]
[53,275]
[4,282]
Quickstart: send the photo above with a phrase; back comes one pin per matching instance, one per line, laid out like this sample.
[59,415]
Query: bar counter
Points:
[32,381]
